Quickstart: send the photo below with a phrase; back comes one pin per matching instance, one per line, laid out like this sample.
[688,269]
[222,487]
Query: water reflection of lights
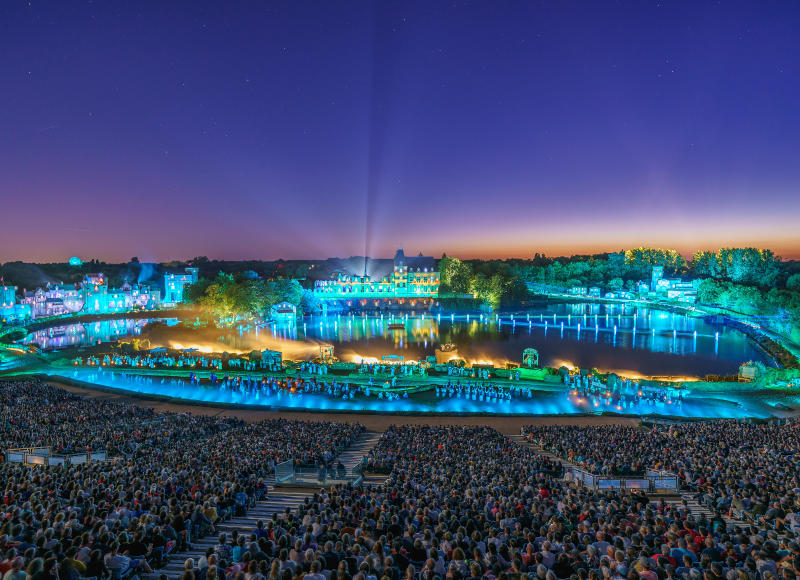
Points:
[542,403]
[709,352]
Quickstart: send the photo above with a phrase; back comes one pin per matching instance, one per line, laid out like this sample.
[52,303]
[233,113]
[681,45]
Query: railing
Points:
[44,456]
[325,476]
[651,481]
[284,471]
[287,473]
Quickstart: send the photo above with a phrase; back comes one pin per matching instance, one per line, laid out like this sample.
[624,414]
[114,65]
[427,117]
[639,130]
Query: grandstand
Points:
[190,496]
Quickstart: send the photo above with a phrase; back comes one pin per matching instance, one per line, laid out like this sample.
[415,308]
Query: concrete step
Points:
[361,447]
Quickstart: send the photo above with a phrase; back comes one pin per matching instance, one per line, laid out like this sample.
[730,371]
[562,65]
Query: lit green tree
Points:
[641,260]
[488,290]
[706,264]
[454,275]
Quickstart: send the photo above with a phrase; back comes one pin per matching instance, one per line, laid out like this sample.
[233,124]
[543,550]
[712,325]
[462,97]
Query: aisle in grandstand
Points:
[251,524]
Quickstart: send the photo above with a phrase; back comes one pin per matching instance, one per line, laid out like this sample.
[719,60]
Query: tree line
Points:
[227,295]
[750,281]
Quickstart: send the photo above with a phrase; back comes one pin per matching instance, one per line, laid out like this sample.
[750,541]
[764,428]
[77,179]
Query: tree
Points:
[706,264]
[709,291]
[749,265]
[641,260]
[515,291]
[488,290]
[310,304]
[286,290]
[793,283]
[454,275]
[615,284]
[194,292]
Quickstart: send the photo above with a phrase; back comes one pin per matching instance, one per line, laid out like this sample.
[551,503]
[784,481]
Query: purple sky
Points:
[166,130]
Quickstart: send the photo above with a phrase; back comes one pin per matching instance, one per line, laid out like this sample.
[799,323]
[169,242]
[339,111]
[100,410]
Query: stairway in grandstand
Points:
[521,440]
[276,502]
[697,509]
[359,448]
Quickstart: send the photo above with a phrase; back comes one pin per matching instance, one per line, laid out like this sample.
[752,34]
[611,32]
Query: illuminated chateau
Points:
[412,280]
[91,296]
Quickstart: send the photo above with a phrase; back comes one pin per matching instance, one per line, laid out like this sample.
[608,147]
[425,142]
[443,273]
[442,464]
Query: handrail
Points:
[28,449]
[42,456]
[649,481]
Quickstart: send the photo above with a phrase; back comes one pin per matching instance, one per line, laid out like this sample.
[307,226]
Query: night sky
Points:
[250,130]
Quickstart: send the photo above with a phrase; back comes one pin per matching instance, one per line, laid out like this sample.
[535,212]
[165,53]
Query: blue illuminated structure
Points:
[175,283]
[412,280]
[10,310]
[284,312]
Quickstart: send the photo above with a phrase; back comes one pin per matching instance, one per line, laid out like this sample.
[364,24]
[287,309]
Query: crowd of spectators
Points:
[741,469]
[468,503]
[458,502]
[170,478]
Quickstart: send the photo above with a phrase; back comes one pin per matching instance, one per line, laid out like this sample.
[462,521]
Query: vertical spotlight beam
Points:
[380,95]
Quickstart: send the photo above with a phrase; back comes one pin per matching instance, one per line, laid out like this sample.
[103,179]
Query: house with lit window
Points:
[8,296]
[109,302]
[175,283]
[284,312]
[91,296]
[98,298]
[95,282]
[141,296]
[10,309]
[674,288]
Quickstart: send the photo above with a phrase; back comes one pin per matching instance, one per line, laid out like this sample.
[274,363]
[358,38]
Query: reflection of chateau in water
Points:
[86,333]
